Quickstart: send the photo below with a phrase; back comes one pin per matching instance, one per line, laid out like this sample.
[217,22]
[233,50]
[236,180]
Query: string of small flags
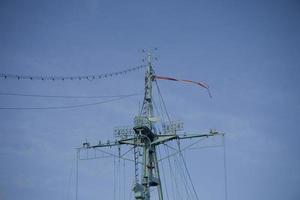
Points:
[70,78]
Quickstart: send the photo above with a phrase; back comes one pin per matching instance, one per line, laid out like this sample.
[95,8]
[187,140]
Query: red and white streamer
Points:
[201,84]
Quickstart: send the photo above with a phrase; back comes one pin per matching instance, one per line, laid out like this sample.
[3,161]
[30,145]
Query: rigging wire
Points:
[94,158]
[157,129]
[185,166]
[185,191]
[70,78]
[71,176]
[164,176]
[122,155]
[64,96]
[206,147]
[183,177]
[76,184]
[177,151]
[66,107]
[225,168]
[108,155]
[162,112]
[130,194]
[115,182]
[119,174]
[162,100]
[115,156]
[180,151]
[179,173]
[174,185]
[124,177]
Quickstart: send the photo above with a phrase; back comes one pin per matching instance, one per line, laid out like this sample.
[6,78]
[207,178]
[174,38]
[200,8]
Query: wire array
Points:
[65,96]
[70,106]
[70,78]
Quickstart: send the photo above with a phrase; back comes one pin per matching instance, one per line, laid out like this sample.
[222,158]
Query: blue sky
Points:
[247,51]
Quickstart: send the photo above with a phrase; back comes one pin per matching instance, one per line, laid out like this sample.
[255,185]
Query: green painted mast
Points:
[146,133]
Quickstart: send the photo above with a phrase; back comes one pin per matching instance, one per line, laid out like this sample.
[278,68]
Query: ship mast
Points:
[146,133]
[147,104]
[143,136]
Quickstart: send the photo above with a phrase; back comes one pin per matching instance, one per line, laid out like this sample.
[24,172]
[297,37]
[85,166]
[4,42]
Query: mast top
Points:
[149,58]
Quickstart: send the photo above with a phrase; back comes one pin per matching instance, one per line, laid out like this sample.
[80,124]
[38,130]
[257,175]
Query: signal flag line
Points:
[69,78]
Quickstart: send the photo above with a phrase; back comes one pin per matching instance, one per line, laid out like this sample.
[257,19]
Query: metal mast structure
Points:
[143,135]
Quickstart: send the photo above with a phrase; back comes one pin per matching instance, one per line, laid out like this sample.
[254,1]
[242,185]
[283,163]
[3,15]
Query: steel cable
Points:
[66,107]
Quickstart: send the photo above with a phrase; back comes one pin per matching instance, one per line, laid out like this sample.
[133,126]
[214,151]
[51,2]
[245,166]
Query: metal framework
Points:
[143,135]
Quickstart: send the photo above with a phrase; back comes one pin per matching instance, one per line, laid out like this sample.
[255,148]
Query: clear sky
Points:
[247,51]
